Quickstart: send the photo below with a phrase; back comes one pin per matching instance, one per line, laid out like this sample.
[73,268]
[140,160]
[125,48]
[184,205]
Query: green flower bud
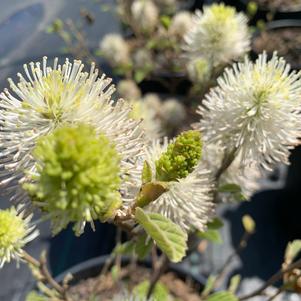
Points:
[78,177]
[180,158]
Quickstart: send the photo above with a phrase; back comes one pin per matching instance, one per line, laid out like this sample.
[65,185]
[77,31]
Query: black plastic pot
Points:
[92,268]
[276,25]
[166,83]
[263,12]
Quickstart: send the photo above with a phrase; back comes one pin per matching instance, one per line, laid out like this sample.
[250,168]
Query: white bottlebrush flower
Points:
[151,124]
[115,50]
[199,70]
[153,101]
[49,97]
[128,89]
[142,59]
[180,24]
[219,35]
[173,112]
[145,15]
[15,233]
[189,199]
[255,111]
[246,177]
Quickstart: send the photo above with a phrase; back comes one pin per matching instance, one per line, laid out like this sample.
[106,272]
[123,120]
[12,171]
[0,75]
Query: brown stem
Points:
[276,277]
[29,259]
[157,274]
[275,295]
[42,265]
[242,244]
[228,159]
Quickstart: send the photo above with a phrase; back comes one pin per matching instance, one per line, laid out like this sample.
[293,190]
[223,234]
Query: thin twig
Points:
[276,277]
[157,274]
[273,297]
[42,266]
[242,244]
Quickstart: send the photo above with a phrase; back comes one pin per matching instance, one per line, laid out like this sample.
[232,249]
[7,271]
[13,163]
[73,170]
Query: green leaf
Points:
[115,273]
[126,248]
[252,8]
[150,192]
[292,250]
[209,285]
[222,296]
[165,21]
[152,43]
[169,237]
[34,296]
[146,173]
[160,292]
[234,283]
[211,235]
[249,224]
[140,75]
[215,224]
[143,246]
[233,189]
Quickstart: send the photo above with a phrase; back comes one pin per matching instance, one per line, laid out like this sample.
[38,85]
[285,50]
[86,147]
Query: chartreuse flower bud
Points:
[15,232]
[180,158]
[77,177]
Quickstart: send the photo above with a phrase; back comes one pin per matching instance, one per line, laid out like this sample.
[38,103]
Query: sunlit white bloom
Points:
[15,233]
[50,96]
[219,35]
[142,59]
[153,101]
[173,112]
[255,111]
[151,124]
[188,202]
[180,24]
[128,89]
[115,49]
[145,15]
[199,70]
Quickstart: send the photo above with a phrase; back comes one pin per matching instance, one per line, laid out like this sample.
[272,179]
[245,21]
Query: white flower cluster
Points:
[53,96]
[255,111]
[219,35]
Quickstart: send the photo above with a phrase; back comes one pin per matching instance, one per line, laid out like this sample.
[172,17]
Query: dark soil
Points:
[105,288]
[286,41]
[280,5]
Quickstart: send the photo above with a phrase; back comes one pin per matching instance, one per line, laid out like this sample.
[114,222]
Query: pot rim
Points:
[181,271]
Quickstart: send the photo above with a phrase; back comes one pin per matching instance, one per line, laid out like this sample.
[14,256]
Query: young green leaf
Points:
[160,292]
[248,223]
[222,296]
[292,250]
[34,296]
[169,237]
[150,192]
[215,224]
[143,246]
[140,75]
[209,285]
[233,189]
[126,248]
[165,21]
[146,173]
[234,283]
[211,235]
